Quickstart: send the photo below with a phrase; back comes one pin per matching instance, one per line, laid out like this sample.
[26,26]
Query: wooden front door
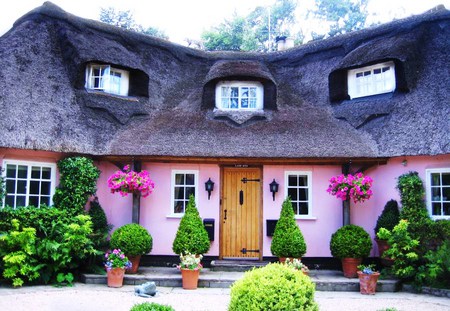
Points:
[241,213]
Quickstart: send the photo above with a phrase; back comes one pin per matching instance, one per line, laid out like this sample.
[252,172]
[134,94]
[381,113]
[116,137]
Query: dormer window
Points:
[371,80]
[107,79]
[239,95]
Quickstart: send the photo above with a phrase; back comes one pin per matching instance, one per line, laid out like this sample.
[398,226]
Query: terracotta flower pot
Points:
[283,259]
[368,283]
[382,247]
[190,278]
[350,267]
[135,260]
[115,277]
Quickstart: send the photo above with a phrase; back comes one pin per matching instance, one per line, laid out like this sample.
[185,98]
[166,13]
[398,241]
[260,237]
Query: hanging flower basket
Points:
[355,187]
[128,181]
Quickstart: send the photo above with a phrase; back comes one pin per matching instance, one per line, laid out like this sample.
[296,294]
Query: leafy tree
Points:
[125,19]
[228,36]
[343,15]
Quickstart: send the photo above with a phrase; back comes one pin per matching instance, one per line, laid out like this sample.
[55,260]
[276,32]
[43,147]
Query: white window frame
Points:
[106,79]
[308,174]
[373,80]
[30,164]
[241,84]
[172,190]
[429,197]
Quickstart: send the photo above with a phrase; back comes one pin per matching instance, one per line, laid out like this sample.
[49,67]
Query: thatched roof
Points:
[46,107]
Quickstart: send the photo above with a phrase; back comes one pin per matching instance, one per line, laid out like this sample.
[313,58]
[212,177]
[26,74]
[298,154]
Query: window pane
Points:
[34,187]
[45,200]
[435,179]
[244,103]
[295,207]
[179,193]
[303,181]
[190,179]
[179,179]
[9,200]
[446,193]
[225,103]
[435,194]
[253,92]
[46,173]
[253,103]
[244,92]
[303,210]
[234,92]
[45,188]
[22,186]
[33,200]
[446,179]
[10,186]
[446,209]
[292,192]
[22,171]
[292,180]
[303,194]
[225,91]
[190,191]
[436,209]
[11,171]
[35,172]
[234,103]
[178,207]
[20,201]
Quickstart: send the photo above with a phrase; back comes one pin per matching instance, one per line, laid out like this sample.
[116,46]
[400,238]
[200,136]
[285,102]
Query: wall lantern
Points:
[209,186]
[273,188]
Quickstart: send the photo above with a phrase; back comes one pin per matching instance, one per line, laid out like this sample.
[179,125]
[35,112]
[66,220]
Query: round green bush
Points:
[350,241]
[389,218]
[273,287]
[191,235]
[287,239]
[147,306]
[132,239]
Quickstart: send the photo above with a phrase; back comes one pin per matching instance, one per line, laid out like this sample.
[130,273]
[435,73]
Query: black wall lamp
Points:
[209,186]
[273,188]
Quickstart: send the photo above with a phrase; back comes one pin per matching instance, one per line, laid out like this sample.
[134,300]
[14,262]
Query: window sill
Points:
[124,97]
[440,217]
[305,218]
[175,216]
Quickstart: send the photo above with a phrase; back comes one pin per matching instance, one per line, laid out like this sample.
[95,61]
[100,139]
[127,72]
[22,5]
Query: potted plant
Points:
[116,263]
[350,243]
[134,240]
[388,219]
[287,241]
[368,278]
[190,266]
[297,264]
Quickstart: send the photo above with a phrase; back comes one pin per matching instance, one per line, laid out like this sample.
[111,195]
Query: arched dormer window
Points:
[108,79]
[371,80]
[239,95]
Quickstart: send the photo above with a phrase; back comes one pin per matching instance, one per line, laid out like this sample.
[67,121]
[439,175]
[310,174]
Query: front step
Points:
[236,265]
[325,280]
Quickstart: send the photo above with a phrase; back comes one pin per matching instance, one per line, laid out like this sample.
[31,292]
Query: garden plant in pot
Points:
[350,243]
[389,218]
[368,278]
[287,240]
[191,238]
[134,240]
[116,263]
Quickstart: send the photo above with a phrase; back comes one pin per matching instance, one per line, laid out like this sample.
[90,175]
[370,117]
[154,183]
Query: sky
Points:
[181,19]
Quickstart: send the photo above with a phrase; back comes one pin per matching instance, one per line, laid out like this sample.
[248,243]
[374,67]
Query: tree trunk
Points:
[346,212]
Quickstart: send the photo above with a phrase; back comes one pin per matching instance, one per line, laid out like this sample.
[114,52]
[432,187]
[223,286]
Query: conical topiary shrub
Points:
[191,235]
[389,218]
[287,239]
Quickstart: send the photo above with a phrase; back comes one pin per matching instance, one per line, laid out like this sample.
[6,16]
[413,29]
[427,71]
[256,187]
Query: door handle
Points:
[241,197]
[225,216]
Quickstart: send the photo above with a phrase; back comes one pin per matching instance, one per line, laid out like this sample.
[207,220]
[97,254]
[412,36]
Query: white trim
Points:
[107,86]
[428,173]
[259,94]
[308,174]
[371,81]
[172,213]
[29,164]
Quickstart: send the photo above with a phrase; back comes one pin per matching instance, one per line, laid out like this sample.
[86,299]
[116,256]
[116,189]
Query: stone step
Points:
[325,280]
[236,265]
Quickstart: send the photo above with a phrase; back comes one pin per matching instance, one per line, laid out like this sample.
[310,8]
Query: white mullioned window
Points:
[28,183]
[239,95]
[107,79]
[184,184]
[371,80]
[298,186]
[438,193]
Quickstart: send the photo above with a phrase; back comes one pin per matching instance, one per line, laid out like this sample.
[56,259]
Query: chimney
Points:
[284,43]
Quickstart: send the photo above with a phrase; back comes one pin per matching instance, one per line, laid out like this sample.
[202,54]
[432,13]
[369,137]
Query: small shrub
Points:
[132,239]
[98,217]
[147,306]
[191,235]
[437,270]
[287,239]
[78,181]
[389,218]
[273,287]
[350,241]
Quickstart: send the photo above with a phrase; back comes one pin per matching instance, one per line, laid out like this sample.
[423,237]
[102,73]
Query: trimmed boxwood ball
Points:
[350,241]
[191,235]
[151,306]
[273,287]
[132,239]
[287,240]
